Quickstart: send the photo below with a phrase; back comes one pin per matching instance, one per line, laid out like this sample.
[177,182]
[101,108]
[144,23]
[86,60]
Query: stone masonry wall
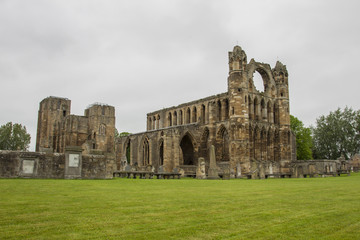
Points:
[14,164]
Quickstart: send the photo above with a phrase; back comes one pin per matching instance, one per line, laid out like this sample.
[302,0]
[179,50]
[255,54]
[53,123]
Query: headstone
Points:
[213,171]
[161,169]
[226,174]
[200,170]
[128,168]
[148,168]
[124,162]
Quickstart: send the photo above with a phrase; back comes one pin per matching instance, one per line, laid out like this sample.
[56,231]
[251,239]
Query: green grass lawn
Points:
[311,208]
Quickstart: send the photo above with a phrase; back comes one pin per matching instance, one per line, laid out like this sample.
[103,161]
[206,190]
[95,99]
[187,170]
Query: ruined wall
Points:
[14,164]
[355,163]
[57,128]
[52,112]
[313,168]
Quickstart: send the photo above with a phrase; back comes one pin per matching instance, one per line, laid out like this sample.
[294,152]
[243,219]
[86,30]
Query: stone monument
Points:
[213,170]
[200,170]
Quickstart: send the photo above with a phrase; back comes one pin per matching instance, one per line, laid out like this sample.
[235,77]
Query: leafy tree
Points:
[337,133]
[122,134]
[14,137]
[303,139]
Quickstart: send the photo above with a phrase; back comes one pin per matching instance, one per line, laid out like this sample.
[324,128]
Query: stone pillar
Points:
[200,170]
[213,171]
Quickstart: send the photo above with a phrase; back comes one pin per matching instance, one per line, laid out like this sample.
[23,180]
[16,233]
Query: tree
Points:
[303,139]
[14,137]
[337,133]
[122,134]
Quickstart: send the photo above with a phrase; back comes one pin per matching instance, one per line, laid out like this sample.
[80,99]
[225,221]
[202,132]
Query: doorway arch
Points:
[187,148]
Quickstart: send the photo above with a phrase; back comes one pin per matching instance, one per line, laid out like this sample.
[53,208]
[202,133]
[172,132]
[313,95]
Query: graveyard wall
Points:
[17,164]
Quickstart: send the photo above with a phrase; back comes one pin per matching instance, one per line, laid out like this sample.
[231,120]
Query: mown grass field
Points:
[316,208]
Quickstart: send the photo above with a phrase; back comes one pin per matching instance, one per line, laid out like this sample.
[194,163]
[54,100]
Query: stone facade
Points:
[58,129]
[249,129]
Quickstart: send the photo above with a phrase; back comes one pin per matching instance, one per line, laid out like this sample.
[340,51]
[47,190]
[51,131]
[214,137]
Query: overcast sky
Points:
[141,56]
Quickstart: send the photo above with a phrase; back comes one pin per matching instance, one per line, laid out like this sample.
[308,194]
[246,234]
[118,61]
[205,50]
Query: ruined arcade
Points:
[249,129]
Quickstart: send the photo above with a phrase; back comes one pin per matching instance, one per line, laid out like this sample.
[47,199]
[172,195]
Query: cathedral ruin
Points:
[250,129]
[242,133]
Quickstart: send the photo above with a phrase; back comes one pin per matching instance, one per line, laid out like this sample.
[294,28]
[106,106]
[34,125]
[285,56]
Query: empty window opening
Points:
[161,153]
[258,81]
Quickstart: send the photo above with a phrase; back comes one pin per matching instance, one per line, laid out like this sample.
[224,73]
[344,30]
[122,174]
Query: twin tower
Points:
[250,129]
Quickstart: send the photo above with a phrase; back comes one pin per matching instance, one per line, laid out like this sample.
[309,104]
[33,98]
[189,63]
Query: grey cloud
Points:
[140,56]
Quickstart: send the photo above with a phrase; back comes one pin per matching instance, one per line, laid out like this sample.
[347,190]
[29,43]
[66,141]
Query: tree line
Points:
[334,135]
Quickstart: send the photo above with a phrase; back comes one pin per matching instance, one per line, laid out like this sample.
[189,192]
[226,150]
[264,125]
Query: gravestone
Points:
[124,162]
[161,169]
[128,168]
[200,170]
[213,170]
[226,174]
[179,170]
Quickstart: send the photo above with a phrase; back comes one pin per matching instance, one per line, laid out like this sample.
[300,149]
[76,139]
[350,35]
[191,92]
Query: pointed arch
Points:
[263,143]
[149,123]
[256,108]
[145,152]
[222,144]
[154,123]
[175,119]
[181,119]
[276,113]
[257,143]
[202,116]
[187,116]
[219,110]
[226,108]
[270,117]
[161,152]
[127,150]
[169,119]
[204,144]
[250,108]
[194,115]
[188,149]
[263,112]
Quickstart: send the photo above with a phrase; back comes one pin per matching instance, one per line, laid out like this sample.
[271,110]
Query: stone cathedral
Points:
[249,129]
[242,133]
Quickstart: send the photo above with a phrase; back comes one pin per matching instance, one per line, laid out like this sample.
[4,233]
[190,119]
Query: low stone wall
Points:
[16,164]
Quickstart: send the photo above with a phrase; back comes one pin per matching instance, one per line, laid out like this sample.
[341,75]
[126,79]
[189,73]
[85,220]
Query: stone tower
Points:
[259,120]
[101,126]
[52,112]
